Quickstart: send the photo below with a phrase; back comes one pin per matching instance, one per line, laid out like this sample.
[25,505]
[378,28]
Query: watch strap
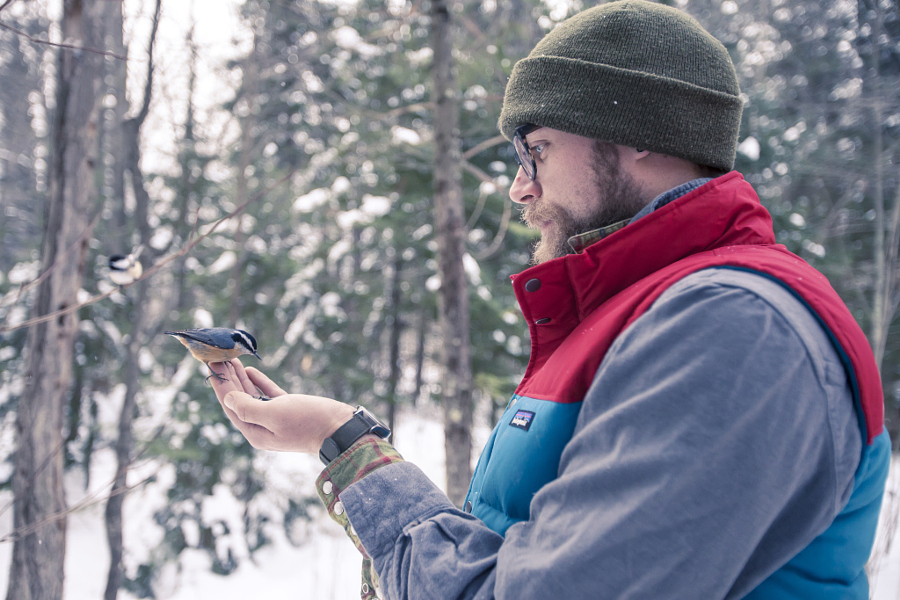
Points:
[359,425]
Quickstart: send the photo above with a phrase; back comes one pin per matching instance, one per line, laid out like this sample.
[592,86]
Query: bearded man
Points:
[701,416]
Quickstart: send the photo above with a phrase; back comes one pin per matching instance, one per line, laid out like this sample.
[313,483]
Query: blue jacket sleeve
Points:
[717,440]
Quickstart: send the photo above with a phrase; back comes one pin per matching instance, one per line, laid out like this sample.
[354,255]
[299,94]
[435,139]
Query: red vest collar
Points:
[724,212]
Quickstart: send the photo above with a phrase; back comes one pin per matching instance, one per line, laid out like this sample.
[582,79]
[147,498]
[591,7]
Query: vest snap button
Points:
[532,285]
[468,507]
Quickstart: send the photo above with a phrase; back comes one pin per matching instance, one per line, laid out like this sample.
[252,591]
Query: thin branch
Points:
[498,239]
[479,208]
[479,148]
[5,4]
[507,211]
[157,266]
[481,175]
[25,287]
[56,45]
[145,107]
[90,499]
[84,503]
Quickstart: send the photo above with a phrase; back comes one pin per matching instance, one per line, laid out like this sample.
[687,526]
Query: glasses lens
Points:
[523,155]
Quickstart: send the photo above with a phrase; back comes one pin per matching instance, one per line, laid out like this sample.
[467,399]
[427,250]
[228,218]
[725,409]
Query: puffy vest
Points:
[577,305]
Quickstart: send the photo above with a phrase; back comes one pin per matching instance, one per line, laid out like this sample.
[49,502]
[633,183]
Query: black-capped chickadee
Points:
[217,344]
[124,270]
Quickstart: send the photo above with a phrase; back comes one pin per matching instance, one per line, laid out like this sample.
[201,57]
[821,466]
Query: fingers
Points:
[235,404]
[221,380]
[246,408]
[243,381]
[266,385]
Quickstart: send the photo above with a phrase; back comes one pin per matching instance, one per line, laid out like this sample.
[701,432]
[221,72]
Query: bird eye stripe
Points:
[247,340]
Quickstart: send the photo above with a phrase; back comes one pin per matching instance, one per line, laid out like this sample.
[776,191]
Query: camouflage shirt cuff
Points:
[360,459]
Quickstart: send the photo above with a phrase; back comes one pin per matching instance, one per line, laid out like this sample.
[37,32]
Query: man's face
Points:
[579,186]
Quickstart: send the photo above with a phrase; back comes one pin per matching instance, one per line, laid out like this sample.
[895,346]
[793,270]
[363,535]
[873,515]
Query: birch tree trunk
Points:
[450,229]
[39,508]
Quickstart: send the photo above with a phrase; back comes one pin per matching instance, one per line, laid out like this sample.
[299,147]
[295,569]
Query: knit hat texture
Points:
[633,73]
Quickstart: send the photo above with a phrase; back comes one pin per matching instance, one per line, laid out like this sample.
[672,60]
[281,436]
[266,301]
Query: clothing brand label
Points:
[522,419]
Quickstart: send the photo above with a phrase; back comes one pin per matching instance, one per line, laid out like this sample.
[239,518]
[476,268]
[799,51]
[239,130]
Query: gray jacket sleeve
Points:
[717,440]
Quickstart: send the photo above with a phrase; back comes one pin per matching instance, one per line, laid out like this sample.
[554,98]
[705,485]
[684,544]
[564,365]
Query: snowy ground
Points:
[325,567]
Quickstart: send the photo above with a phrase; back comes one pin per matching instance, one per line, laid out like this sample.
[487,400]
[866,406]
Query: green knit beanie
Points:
[632,73]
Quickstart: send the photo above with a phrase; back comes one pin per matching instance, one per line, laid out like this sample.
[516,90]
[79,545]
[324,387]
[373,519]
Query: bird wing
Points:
[202,336]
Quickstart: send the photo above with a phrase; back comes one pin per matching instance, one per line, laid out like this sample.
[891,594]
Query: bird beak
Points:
[257,355]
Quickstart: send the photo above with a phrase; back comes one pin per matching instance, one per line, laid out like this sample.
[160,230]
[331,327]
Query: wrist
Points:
[339,417]
[361,423]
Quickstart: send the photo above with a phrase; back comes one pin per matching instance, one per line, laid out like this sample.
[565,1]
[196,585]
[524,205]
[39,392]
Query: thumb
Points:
[243,405]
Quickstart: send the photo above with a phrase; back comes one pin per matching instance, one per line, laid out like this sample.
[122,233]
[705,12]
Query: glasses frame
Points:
[523,151]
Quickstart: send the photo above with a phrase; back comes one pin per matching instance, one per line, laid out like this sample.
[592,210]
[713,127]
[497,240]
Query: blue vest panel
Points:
[523,453]
[521,456]
[832,567]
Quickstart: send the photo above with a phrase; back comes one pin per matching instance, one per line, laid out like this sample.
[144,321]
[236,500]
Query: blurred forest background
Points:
[337,187]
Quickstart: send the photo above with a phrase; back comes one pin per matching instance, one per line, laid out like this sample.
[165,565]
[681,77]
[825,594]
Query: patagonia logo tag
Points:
[522,419]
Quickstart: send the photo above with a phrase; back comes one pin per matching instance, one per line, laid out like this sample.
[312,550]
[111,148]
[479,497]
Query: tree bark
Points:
[248,124]
[36,571]
[394,340]
[131,130]
[450,230]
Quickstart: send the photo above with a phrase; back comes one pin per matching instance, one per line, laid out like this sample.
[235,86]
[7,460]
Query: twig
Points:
[187,248]
[25,287]
[84,502]
[504,219]
[58,45]
[478,148]
[498,239]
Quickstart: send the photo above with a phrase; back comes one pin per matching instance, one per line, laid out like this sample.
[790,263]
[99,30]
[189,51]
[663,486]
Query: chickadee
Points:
[218,344]
[124,270]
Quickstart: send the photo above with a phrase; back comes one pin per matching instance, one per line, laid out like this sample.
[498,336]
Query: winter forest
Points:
[328,175]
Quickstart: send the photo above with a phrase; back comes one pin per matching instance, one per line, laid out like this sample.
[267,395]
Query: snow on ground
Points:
[325,567]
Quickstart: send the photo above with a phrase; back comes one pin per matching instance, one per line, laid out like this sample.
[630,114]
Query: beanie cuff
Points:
[625,107]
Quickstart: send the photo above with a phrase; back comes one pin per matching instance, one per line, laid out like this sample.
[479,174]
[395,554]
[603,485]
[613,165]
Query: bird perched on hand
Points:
[217,344]
[125,269]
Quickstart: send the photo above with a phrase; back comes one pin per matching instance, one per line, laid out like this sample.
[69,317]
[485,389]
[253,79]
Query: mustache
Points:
[536,213]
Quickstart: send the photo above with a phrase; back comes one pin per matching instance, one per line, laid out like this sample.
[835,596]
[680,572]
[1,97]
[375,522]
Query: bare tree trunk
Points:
[394,341]
[115,143]
[248,124]
[124,446]
[421,330]
[886,233]
[36,572]
[880,300]
[131,130]
[188,180]
[450,228]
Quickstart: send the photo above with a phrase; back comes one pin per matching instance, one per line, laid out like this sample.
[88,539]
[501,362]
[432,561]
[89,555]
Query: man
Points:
[700,418]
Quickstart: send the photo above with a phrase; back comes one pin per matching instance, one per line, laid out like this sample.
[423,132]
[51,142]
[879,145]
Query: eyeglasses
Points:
[523,151]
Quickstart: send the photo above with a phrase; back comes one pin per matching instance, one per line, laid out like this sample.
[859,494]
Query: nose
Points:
[524,190]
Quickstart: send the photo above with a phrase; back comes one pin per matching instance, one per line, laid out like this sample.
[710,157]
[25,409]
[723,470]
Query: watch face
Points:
[381,431]
[377,427]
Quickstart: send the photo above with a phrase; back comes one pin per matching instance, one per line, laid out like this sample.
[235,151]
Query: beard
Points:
[613,196]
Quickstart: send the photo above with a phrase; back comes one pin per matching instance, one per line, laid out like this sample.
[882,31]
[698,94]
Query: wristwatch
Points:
[360,424]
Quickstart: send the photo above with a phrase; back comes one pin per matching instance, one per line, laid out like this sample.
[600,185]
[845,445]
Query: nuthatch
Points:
[217,344]
[125,269]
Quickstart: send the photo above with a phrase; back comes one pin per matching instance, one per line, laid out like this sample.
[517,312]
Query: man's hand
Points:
[286,422]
